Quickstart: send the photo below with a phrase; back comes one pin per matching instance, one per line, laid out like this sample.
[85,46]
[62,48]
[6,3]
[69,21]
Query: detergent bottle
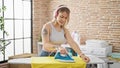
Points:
[76,37]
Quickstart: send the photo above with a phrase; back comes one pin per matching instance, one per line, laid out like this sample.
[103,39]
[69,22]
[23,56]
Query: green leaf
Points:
[5,32]
[4,8]
[0,10]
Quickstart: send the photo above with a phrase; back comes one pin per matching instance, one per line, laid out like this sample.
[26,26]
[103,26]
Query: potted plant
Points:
[39,44]
[3,42]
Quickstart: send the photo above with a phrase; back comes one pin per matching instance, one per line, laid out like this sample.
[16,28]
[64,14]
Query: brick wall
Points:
[93,19]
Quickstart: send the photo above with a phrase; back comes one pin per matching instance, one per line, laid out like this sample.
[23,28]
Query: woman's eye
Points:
[61,16]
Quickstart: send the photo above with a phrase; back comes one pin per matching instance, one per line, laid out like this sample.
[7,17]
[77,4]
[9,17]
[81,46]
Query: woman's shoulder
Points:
[47,24]
[66,32]
[65,29]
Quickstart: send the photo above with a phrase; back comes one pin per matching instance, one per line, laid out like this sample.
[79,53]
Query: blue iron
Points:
[63,58]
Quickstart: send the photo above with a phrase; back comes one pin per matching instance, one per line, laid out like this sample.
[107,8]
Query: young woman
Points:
[54,34]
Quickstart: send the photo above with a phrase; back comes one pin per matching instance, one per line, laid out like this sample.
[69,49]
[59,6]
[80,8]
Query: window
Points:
[18,21]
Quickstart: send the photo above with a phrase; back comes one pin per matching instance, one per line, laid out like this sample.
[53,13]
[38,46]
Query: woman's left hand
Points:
[85,58]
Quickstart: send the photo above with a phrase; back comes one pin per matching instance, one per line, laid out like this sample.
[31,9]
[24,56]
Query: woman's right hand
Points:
[63,51]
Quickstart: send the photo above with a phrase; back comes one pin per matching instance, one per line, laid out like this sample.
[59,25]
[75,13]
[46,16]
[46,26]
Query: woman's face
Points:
[62,18]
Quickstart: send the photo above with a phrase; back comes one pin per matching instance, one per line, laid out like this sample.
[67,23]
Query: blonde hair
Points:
[61,8]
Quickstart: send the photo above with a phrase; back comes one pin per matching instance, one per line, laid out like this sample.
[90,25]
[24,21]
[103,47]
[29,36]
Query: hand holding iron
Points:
[63,51]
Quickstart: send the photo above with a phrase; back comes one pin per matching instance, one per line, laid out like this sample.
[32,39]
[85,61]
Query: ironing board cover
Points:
[50,62]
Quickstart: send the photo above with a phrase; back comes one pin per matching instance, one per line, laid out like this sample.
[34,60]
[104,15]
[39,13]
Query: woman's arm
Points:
[46,37]
[74,46]
[72,43]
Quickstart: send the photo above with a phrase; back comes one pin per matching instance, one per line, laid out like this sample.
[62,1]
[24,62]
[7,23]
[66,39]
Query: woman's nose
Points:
[64,19]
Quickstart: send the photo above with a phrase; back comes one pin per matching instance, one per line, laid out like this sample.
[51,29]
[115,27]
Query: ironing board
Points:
[26,62]
[45,62]
[50,62]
